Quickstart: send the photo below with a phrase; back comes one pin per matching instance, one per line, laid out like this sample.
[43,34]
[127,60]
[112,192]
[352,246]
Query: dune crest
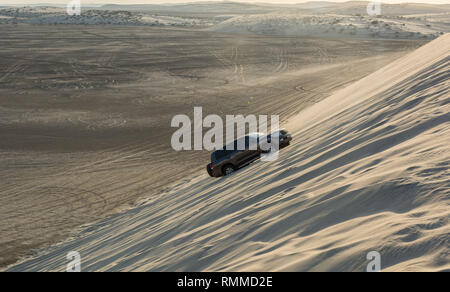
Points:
[368,171]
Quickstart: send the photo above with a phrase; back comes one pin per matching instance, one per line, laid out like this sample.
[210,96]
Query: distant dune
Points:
[337,26]
[368,171]
[346,8]
[230,7]
[206,7]
[360,7]
[89,16]
[316,19]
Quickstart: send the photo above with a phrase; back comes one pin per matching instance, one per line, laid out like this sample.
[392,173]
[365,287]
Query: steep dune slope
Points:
[368,171]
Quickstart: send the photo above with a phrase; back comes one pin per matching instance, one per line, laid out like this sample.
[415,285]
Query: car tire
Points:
[228,170]
[209,170]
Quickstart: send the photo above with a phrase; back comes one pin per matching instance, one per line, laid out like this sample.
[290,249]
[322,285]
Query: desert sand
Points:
[85,111]
[336,26]
[368,171]
[332,20]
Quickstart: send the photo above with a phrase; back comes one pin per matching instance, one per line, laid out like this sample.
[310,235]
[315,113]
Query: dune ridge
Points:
[368,171]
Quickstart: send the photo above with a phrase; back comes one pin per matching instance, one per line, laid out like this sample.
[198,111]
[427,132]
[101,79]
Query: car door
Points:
[247,155]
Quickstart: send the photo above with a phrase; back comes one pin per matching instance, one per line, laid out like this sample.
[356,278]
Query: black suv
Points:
[224,162]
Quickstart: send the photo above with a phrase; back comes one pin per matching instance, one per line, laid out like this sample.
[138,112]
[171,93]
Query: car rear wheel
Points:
[209,170]
[228,169]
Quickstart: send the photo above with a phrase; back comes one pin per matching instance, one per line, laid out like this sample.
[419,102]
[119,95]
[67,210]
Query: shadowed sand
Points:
[368,171]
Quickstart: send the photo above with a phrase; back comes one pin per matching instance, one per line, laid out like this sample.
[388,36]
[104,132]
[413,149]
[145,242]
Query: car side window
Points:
[222,154]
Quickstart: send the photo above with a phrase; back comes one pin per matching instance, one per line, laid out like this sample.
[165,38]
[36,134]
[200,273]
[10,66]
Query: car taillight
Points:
[211,166]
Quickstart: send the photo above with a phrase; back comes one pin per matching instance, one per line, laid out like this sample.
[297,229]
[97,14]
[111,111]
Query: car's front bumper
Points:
[285,140]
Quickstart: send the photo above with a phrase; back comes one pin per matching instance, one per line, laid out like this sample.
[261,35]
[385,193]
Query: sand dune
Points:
[338,26]
[52,15]
[369,171]
[85,129]
[347,8]
[317,19]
